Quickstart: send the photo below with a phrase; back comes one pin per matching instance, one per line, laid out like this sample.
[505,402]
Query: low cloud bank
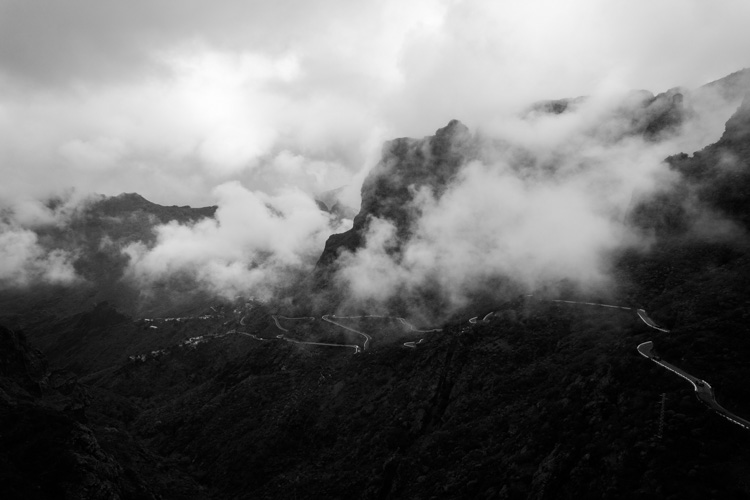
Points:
[547,201]
[24,262]
[542,198]
[24,258]
[255,244]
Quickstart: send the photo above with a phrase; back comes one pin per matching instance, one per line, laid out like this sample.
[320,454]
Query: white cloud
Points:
[98,153]
[176,100]
[546,201]
[254,244]
[23,261]
[171,99]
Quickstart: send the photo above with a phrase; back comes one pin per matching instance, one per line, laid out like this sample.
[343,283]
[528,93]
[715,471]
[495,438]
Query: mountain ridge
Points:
[541,399]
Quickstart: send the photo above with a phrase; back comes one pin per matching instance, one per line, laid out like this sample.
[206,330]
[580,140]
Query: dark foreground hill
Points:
[52,445]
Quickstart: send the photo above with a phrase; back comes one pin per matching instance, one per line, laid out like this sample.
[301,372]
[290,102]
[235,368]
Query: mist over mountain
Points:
[460,215]
[70,249]
[469,332]
[445,221]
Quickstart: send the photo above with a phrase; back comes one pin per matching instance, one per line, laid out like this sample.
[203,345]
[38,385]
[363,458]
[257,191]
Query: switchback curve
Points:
[703,390]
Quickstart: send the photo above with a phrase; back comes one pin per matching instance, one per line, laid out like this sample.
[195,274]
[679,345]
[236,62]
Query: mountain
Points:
[409,168]
[731,87]
[95,232]
[716,177]
[406,165]
[546,396]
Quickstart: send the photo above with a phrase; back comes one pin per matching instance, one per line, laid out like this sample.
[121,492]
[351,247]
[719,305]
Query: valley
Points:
[478,330]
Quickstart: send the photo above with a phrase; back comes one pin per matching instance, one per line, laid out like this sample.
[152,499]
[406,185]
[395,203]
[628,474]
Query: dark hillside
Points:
[50,448]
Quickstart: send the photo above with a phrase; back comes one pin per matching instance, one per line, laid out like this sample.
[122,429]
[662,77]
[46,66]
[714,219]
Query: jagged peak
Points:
[134,196]
[454,127]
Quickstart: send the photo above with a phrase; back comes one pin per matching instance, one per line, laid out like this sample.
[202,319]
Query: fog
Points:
[253,246]
[23,261]
[547,202]
[171,99]
[260,108]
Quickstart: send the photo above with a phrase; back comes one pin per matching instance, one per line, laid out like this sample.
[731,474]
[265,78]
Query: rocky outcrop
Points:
[407,165]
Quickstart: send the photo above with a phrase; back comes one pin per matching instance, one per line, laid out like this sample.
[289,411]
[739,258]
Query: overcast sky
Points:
[172,98]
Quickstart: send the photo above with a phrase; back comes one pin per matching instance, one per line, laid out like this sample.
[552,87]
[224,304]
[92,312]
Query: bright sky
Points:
[172,98]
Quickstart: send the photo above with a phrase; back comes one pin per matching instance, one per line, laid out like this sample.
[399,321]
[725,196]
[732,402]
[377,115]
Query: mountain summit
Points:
[406,166]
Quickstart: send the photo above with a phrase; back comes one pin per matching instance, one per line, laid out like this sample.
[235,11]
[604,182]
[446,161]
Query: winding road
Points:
[367,337]
[640,312]
[644,317]
[703,390]
[276,320]
[328,318]
[400,319]
[484,319]
[252,335]
[414,329]
[352,346]
[310,318]
[596,304]
[413,345]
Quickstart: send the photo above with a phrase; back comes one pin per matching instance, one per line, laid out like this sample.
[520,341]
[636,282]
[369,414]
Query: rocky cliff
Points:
[406,166]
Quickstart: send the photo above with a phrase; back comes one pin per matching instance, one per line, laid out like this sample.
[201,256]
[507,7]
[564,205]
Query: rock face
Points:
[737,130]
[407,166]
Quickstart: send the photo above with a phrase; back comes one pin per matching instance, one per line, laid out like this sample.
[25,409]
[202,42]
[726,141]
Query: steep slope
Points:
[407,165]
[712,182]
